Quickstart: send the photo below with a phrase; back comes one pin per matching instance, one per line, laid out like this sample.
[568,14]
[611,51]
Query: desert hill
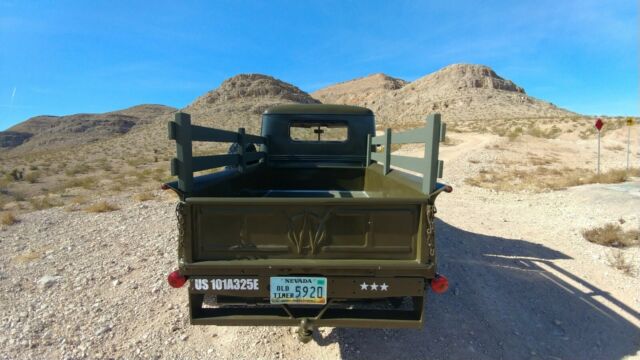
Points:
[47,131]
[239,101]
[459,92]
[358,91]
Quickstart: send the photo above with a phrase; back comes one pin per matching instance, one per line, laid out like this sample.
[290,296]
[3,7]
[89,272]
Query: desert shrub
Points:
[43,202]
[614,147]
[618,260]
[612,235]
[27,256]
[88,183]
[544,178]
[17,196]
[550,133]
[101,207]
[32,177]
[136,161]
[610,177]
[144,196]
[82,168]
[8,218]
[512,135]
[448,141]
[14,175]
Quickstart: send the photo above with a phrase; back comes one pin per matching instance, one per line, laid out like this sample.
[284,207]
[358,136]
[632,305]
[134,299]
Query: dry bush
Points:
[618,260]
[614,147]
[101,207]
[544,178]
[144,196]
[610,177]
[515,133]
[116,187]
[27,256]
[7,218]
[76,203]
[449,141]
[550,133]
[88,183]
[78,169]
[43,202]
[18,196]
[79,200]
[538,161]
[32,177]
[612,235]
[135,162]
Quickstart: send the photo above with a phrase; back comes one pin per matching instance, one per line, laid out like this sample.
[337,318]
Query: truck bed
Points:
[315,194]
[261,215]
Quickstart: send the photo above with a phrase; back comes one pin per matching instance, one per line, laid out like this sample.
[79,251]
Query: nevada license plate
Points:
[298,290]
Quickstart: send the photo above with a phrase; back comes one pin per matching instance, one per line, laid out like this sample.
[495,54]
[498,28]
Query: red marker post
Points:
[598,126]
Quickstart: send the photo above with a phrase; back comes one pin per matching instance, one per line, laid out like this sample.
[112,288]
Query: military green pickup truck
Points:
[311,223]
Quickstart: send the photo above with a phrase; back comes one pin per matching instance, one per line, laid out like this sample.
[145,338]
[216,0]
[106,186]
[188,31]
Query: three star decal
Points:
[373,286]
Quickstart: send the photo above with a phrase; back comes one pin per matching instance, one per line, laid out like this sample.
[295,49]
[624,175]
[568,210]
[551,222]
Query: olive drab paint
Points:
[317,222]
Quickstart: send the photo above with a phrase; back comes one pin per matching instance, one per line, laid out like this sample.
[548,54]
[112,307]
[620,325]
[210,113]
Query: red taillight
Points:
[439,284]
[176,280]
[448,188]
[164,187]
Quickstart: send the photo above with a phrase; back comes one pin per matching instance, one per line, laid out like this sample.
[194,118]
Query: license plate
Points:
[298,290]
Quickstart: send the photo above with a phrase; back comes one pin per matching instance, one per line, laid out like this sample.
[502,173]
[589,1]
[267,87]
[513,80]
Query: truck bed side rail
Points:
[185,164]
[429,166]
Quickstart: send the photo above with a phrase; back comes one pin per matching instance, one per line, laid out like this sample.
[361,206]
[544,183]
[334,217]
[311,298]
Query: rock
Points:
[47,281]
[103,330]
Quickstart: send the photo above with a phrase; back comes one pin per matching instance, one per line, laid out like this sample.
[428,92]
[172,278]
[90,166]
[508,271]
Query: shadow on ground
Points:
[507,300]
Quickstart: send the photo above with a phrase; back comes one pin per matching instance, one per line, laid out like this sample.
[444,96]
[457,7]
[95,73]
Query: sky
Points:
[65,57]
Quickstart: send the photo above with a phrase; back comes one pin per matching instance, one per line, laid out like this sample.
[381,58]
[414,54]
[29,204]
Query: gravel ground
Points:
[79,285]
[524,285]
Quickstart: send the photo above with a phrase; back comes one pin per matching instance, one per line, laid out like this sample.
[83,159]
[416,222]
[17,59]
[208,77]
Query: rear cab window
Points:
[319,131]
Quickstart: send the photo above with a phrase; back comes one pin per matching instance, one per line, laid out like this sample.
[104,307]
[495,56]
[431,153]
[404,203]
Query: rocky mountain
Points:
[239,101]
[359,91]
[45,132]
[459,92]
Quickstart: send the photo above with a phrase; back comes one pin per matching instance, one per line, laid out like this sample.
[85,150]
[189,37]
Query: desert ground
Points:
[85,277]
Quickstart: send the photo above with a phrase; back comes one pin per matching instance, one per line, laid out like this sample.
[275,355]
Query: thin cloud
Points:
[13,95]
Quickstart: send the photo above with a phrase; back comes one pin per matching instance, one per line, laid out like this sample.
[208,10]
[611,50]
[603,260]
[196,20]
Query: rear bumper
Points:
[333,314]
[332,267]
[347,302]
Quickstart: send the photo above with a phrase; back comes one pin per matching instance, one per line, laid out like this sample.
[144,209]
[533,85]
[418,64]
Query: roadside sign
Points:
[599,124]
[630,121]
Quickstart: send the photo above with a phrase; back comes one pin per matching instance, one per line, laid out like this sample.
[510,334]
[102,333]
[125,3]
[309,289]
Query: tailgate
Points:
[301,228]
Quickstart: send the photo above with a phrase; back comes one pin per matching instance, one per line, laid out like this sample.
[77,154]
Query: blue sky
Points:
[64,57]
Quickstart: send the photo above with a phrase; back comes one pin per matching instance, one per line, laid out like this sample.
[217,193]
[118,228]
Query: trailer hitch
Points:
[305,331]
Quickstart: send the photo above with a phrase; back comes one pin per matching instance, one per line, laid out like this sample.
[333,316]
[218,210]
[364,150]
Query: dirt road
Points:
[531,289]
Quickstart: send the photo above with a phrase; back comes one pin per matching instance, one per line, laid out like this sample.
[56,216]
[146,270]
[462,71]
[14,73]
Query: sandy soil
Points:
[524,283]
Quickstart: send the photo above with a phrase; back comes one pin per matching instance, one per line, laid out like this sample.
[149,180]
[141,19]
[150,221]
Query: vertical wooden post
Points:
[431,153]
[184,152]
[387,151]
[368,154]
[241,142]
[598,152]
